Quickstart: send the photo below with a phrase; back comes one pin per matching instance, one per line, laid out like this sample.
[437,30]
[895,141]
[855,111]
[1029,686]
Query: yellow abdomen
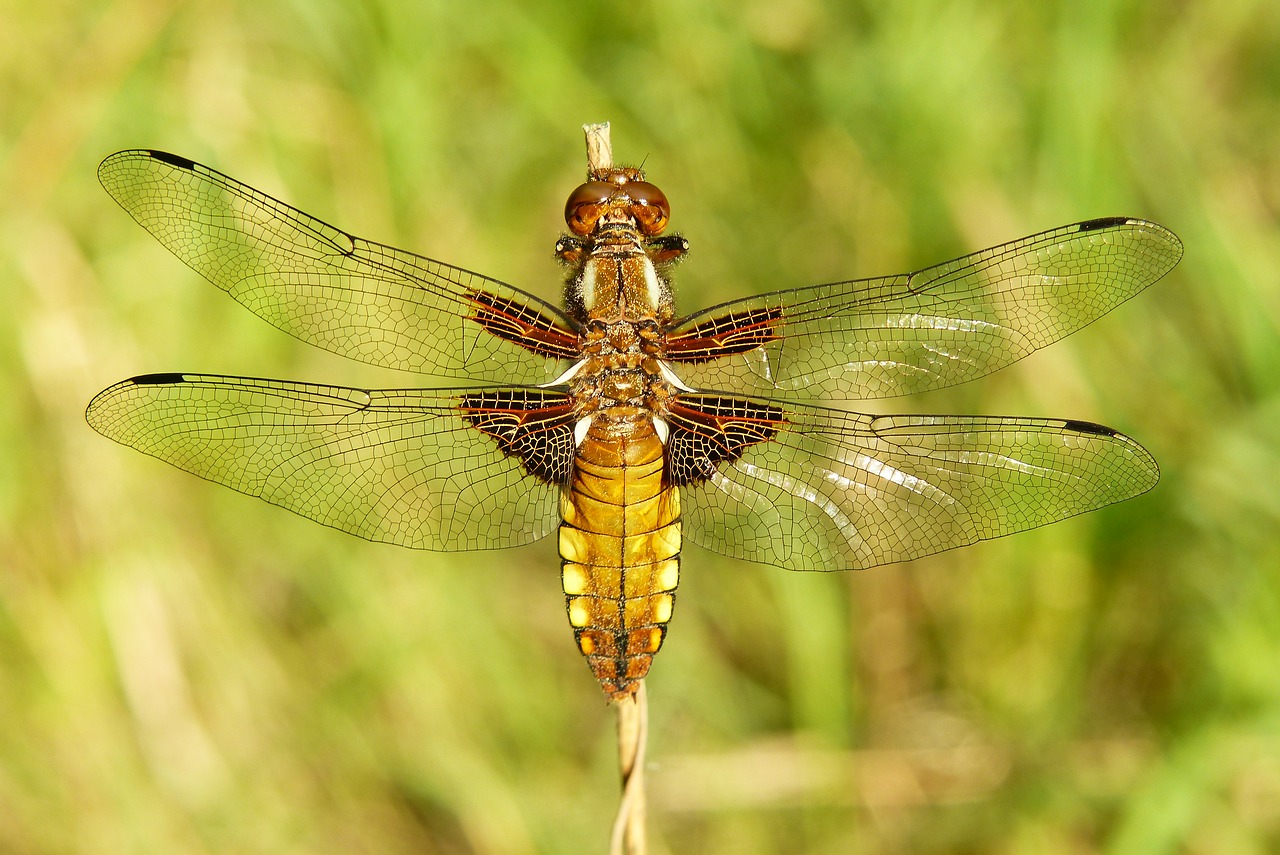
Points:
[619,550]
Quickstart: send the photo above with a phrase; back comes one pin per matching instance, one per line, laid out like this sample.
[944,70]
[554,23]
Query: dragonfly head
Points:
[614,195]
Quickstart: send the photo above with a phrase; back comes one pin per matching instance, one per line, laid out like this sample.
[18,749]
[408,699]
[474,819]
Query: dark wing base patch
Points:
[707,430]
[726,335]
[522,324]
[529,424]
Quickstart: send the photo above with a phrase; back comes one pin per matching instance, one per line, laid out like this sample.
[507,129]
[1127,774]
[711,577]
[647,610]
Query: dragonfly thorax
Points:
[617,281]
[613,379]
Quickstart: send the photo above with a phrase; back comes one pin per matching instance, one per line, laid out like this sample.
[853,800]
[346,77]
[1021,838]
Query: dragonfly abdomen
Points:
[619,550]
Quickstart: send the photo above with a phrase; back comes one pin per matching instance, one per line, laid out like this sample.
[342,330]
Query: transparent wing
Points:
[402,466]
[839,491]
[947,324]
[361,299]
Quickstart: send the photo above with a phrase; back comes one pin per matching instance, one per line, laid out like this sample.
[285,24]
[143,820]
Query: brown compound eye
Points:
[586,204]
[649,206]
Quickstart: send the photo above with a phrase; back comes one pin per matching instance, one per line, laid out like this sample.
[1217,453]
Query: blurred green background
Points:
[185,670]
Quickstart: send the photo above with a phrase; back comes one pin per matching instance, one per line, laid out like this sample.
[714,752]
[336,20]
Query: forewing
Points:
[371,302]
[819,489]
[947,324]
[425,468]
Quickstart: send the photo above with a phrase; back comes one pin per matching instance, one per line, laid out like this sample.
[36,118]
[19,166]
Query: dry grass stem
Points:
[633,732]
[599,148]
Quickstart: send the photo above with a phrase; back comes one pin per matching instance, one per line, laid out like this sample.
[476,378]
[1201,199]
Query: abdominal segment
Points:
[620,551]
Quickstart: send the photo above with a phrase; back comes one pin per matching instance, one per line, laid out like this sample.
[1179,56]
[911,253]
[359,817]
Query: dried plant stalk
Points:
[633,733]
[599,148]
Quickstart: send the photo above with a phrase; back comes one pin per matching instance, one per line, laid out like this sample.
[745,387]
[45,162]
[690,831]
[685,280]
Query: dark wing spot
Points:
[172,159]
[1089,427]
[157,379]
[1102,223]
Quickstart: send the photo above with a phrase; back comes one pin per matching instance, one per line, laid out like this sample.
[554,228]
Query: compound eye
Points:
[585,206]
[649,206]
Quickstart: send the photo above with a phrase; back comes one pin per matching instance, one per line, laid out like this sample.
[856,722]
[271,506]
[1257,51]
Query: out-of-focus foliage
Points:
[186,670]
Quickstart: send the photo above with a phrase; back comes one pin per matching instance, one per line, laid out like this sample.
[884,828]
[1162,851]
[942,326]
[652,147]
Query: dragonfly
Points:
[614,420]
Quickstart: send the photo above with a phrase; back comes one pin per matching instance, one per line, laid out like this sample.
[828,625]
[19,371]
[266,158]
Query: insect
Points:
[628,427]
